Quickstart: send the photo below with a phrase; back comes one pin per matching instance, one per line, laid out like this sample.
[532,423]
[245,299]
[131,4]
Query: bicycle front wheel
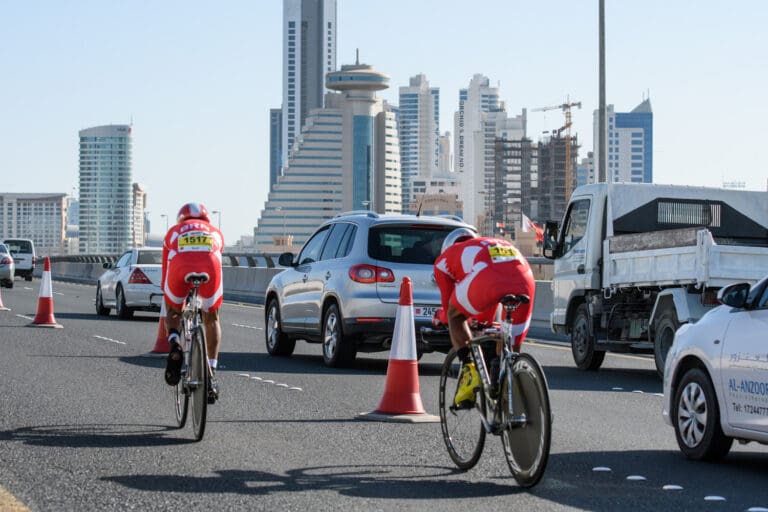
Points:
[198,382]
[526,443]
[181,400]
[463,432]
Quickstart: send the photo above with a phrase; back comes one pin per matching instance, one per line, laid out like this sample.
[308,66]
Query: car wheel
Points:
[123,311]
[100,309]
[583,343]
[337,351]
[278,343]
[696,418]
[666,327]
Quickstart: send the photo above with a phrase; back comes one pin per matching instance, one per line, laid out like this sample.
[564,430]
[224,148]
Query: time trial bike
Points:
[515,407]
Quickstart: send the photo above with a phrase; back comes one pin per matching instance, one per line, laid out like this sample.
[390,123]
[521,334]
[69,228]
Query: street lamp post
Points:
[218,216]
[162,215]
[282,236]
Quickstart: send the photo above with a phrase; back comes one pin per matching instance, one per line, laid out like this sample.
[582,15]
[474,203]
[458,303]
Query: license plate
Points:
[424,311]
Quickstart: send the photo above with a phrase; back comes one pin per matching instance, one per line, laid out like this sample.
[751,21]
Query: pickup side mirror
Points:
[551,248]
[286,259]
[734,295]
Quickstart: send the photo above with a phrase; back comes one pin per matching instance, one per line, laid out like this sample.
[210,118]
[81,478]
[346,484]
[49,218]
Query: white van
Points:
[23,252]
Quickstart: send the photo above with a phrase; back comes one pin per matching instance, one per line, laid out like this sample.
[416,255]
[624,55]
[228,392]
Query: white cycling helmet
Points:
[456,236]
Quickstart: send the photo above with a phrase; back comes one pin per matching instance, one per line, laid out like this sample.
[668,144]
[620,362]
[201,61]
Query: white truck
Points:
[633,262]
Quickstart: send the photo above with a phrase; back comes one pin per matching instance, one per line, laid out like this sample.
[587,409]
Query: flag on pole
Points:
[529,225]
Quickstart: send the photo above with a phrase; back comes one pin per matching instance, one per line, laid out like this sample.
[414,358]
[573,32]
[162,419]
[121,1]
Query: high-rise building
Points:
[419,129]
[309,53]
[515,177]
[39,217]
[469,154]
[347,158]
[138,234]
[275,145]
[106,189]
[629,138]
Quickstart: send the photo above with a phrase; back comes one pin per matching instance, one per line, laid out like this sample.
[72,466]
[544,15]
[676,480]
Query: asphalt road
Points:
[86,424]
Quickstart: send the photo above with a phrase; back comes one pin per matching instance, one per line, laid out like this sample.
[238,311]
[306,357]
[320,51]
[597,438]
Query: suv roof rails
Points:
[369,213]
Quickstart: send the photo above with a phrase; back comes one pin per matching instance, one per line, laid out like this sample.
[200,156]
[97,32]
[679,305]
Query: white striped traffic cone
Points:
[44,316]
[402,399]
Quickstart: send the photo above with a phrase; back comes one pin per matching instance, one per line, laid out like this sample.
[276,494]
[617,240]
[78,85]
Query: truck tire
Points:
[664,335]
[585,355]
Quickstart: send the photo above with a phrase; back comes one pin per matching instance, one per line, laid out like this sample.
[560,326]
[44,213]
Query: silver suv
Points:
[343,288]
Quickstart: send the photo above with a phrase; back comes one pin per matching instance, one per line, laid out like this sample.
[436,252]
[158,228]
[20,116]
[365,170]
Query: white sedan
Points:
[716,375]
[131,284]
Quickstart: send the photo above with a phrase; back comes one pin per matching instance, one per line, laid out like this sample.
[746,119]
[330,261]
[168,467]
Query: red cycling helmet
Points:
[193,211]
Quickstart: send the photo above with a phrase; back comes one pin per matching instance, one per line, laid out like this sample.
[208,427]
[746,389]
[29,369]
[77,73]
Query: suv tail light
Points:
[371,274]
[139,277]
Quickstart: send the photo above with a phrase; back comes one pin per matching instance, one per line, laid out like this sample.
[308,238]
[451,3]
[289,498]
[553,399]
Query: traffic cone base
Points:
[44,316]
[402,399]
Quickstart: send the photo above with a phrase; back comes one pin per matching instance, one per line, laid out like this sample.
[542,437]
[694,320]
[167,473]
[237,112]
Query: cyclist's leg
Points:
[174,298]
[212,333]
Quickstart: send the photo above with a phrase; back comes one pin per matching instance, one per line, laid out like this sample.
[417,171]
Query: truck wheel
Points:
[585,355]
[666,326]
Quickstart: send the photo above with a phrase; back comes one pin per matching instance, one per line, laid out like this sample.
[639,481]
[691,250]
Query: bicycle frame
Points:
[190,320]
[507,357]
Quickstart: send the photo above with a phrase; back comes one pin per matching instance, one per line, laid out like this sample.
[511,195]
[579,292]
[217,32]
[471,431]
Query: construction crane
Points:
[565,107]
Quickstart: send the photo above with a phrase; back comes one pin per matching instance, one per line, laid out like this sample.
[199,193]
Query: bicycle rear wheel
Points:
[463,432]
[198,382]
[526,446]
[181,400]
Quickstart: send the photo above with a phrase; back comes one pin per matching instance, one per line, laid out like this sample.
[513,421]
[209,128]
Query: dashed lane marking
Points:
[25,317]
[249,327]
[672,487]
[110,340]
[636,478]
[268,381]
[714,498]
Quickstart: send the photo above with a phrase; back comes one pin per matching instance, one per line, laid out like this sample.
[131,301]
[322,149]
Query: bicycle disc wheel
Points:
[463,431]
[526,447]
[198,382]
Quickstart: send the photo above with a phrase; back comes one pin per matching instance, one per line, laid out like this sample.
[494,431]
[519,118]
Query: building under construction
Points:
[514,178]
[556,177]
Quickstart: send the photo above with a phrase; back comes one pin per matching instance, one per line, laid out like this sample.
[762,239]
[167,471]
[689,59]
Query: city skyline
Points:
[198,82]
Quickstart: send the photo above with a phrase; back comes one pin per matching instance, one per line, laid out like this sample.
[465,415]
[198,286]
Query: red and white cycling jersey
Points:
[193,246]
[474,275]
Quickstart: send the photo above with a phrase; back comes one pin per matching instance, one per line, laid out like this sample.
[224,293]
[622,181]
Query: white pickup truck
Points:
[635,261]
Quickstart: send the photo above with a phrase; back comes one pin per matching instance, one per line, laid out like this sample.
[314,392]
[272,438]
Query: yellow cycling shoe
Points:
[470,379]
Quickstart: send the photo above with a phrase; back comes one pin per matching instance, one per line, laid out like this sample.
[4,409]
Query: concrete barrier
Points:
[248,284]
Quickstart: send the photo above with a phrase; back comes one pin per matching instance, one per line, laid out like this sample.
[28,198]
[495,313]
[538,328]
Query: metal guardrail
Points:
[229,259]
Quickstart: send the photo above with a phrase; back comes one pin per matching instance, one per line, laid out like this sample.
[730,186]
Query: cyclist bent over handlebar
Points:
[473,274]
[193,244]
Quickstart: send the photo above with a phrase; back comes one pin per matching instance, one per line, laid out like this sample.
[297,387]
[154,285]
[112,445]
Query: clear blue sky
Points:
[198,79]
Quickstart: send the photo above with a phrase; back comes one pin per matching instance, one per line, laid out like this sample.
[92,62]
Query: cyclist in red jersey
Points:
[193,244]
[473,274]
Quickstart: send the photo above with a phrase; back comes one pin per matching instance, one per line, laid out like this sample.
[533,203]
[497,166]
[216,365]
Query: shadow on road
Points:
[569,482]
[94,436]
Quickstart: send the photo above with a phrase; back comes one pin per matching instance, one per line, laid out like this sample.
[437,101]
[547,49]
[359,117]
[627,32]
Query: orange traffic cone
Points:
[44,316]
[402,400]
[3,308]
[161,343]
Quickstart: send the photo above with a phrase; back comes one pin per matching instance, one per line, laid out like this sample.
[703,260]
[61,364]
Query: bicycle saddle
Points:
[515,299]
[199,277]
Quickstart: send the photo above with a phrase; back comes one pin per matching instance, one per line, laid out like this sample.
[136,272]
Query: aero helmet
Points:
[457,235]
[193,211]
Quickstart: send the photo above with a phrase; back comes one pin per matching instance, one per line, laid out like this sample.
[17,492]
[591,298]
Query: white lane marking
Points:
[638,391]
[636,478]
[25,317]
[617,389]
[659,394]
[294,388]
[601,469]
[243,374]
[110,340]
[278,384]
[58,293]
[268,381]
[27,288]
[281,385]
[256,378]
[714,498]
[249,327]
[757,509]
[672,487]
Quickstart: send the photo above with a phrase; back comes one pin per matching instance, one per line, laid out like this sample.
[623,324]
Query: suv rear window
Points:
[22,246]
[399,243]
